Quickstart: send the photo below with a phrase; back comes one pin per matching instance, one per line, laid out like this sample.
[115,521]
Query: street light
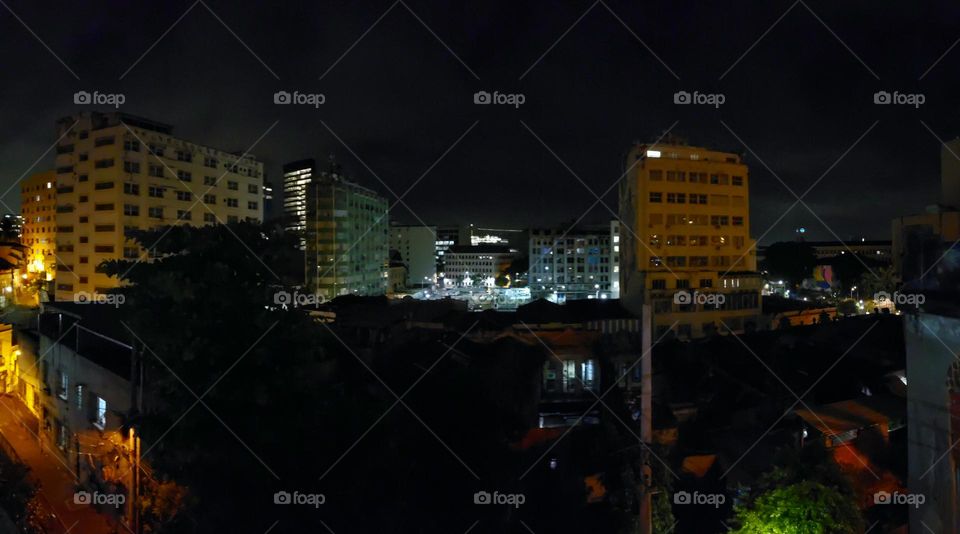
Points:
[852,289]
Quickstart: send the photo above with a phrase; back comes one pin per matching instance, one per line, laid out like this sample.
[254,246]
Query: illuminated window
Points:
[101,416]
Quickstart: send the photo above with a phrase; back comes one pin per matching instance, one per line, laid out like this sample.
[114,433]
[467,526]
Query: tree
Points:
[203,318]
[16,491]
[847,307]
[289,404]
[882,279]
[806,493]
[802,508]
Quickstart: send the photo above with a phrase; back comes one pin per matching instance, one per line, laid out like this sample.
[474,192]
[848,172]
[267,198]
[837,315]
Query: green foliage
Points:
[801,508]
[286,406]
[806,493]
[160,504]
[847,307]
[881,279]
[16,489]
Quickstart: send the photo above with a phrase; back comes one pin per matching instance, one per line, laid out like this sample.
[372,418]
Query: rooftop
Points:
[478,249]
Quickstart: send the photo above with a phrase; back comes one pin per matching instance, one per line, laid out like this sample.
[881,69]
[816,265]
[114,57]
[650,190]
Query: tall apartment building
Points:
[447,236]
[38,207]
[11,227]
[118,172]
[685,247]
[572,263]
[615,259]
[417,246]
[296,177]
[347,238]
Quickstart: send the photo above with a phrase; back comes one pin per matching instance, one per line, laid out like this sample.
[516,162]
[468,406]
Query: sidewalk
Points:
[57,481]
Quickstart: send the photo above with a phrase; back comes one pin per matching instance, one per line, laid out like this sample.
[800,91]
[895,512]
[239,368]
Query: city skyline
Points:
[410,266]
[798,84]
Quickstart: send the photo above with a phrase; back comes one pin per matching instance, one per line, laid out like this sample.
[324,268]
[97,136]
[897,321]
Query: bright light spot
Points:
[653,153]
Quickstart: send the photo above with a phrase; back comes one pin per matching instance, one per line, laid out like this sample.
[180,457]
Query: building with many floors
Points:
[476,265]
[418,253]
[38,207]
[685,246]
[572,263]
[874,250]
[118,172]
[347,238]
[296,177]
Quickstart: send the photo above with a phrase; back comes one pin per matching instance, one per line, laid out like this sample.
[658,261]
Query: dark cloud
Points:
[399,99]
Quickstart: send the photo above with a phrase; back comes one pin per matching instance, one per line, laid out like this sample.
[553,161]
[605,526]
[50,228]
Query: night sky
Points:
[800,98]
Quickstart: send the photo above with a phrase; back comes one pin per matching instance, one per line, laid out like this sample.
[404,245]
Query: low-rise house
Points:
[850,420]
[74,373]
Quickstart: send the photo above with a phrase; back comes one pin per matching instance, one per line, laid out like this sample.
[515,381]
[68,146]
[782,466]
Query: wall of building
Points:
[920,240]
[117,172]
[417,246]
[479,266]
[686,232]
[38,207]
[347,239]
[932,342]
[571,263]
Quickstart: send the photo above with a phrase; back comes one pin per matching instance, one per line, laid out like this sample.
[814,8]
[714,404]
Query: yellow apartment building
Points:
[685,243]
[117,172]
[38,207]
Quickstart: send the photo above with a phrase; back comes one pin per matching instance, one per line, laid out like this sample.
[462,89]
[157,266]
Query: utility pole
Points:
[646,418]
[133,510]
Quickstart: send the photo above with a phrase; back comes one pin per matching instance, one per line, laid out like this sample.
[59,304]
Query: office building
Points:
[508,237]
[347,238]
[480,265]
[118,172]
[921,241]
[11,227]
[571,263]
[296,177]
[685,243]
[38,208]
[870,250]
[418,253]
[447,236]
[268,206]
[615,259]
